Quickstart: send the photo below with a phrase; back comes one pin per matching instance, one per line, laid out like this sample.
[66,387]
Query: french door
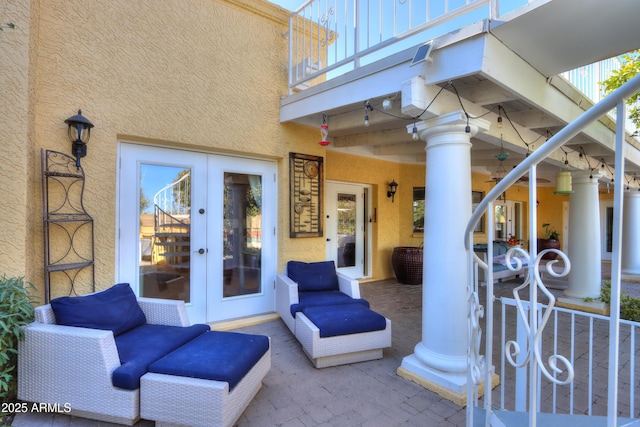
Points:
[199,228]
[346,228]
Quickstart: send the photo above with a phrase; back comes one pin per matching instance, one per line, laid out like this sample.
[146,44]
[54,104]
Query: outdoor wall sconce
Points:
[393,187]
[79,132]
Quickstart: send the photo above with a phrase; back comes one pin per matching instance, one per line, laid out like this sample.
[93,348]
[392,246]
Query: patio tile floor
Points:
[294,393]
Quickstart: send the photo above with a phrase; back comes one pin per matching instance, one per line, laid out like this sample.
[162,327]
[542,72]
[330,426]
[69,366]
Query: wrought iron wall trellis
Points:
[67,227]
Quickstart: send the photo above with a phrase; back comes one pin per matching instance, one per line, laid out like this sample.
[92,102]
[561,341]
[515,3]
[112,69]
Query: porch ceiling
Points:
[507,65]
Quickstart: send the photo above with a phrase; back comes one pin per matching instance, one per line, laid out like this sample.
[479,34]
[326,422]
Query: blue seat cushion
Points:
[313,276]
[141,346]
[216,355]
[320,298]
[115,309]
[345,319]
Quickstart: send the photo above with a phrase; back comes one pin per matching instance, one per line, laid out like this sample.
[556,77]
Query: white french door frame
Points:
[218,307]
[362,268]
[206,267]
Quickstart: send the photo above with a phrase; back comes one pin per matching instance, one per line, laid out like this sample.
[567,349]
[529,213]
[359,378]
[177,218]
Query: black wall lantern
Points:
[79,133]
[393,187]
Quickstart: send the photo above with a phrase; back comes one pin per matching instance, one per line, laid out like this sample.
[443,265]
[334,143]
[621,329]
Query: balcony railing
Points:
[331,37]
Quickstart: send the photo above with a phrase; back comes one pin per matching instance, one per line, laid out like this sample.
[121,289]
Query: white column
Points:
[585,278]
[440,359]
[630,257]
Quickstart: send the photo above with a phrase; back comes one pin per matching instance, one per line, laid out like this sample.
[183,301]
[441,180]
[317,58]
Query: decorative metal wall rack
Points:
[67,227]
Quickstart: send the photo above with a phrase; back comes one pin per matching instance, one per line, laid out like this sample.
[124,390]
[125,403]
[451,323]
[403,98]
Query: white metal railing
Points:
[480,367]
[175,198]
[574,334]
[341,35]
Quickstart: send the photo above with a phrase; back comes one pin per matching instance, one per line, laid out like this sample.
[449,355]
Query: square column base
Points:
[450,386]
[595,306]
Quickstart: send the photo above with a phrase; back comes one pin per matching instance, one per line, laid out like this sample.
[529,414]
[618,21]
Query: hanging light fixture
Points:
[501,172]
[563,179]
[367,108]
[324,131]
[414,133]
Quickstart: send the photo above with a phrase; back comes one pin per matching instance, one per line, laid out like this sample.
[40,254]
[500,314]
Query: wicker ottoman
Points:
[182,389]
[342,334]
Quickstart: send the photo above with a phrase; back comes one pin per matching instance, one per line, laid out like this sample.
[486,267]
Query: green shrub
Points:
[16,310]
[629,306]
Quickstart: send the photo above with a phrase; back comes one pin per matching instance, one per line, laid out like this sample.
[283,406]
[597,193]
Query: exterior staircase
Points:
[172,224]
[172,239]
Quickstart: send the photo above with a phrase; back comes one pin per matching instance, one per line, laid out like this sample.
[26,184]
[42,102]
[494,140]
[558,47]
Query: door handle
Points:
[328,240]
[201,251]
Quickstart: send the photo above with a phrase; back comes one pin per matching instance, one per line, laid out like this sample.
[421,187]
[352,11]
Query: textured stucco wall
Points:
[16,153]
[205,75]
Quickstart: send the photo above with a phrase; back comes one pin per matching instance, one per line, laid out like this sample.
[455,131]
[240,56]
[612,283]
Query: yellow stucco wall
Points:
[205,75]
[17,154]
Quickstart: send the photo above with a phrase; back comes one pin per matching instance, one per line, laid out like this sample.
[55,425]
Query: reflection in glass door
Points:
[165,232]
[242,234]
[346,248]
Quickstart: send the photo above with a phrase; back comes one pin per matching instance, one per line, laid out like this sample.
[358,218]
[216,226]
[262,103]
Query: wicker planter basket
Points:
[407,264]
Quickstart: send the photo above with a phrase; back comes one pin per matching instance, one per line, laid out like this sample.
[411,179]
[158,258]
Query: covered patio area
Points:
[368,393]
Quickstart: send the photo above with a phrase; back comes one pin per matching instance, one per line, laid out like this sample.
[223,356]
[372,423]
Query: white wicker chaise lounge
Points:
[323,309]
[76,367]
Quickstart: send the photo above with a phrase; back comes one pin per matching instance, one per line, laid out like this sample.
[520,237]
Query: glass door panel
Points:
[165,232]
[161,204]
[242,228]
[346,230]
[242,234]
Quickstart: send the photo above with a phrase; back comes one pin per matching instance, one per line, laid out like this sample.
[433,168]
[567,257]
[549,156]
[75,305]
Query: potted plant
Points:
[16,310]
[551,240]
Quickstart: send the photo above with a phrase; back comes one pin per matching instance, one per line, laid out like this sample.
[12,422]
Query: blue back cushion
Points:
[313,276]
[142,346]
[216,355]
[115,309]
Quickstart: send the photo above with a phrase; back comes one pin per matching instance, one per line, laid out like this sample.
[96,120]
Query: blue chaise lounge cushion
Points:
[323,298]
[313,276]
[216,355]
[140,347]
[115,309]
[345,319]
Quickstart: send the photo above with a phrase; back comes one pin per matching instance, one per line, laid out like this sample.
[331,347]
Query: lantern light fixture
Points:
[563,180]
[393,187]
[79,131]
